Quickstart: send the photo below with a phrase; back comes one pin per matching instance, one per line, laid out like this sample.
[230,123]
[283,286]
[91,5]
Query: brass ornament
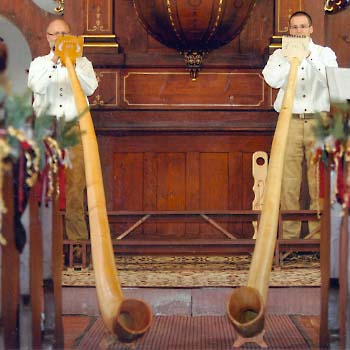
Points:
[193,61]
[59,9]
[335,6]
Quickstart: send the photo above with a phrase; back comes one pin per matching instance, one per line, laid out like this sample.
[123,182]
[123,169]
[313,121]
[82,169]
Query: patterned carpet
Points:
[196,333]
[199,271]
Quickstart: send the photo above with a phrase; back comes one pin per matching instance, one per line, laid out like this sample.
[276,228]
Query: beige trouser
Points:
[76,228]
[300,141]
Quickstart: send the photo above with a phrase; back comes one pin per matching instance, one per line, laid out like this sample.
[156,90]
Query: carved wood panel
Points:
[107,92]
[175,89]
[99,17]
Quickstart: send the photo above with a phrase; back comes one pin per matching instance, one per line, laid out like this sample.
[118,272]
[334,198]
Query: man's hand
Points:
[54,59]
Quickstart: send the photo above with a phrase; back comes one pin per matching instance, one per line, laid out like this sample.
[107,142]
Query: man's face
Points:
[54,30]
[300,26]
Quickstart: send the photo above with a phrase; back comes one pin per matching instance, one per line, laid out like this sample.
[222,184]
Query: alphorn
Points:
[246,305]
[128,319]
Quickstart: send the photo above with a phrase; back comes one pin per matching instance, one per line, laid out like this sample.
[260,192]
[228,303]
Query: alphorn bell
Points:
[128,319]
[246,305]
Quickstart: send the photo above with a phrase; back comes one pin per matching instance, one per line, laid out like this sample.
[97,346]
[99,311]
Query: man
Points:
[311,96]
[49,81]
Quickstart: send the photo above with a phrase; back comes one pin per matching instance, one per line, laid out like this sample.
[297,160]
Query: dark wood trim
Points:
[57,267]
[325,261]
[9,269]
[36,268]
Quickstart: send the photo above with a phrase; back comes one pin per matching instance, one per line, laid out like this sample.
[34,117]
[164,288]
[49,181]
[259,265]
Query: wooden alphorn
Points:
[246,305]
[126,318]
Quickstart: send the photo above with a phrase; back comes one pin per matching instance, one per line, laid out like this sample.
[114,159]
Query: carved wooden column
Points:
[97,26]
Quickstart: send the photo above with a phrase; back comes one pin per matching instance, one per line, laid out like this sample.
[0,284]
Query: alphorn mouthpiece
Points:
[295,46]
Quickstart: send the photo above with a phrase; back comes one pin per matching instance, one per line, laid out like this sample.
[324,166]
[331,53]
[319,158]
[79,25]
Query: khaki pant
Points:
[76,228]
[300,141]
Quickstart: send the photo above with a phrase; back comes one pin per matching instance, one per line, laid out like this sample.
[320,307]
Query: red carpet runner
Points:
[197,333]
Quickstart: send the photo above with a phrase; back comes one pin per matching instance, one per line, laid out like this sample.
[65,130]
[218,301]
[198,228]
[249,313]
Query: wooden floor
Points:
[75,328]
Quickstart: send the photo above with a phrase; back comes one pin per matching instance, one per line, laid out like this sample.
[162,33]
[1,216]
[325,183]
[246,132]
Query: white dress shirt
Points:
[51,85]
[311,94]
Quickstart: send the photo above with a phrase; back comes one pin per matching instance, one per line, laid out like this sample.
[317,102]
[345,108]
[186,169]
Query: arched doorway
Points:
[19,55]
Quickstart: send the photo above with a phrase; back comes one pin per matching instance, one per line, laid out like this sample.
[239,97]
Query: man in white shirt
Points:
[311,96]
[49,81]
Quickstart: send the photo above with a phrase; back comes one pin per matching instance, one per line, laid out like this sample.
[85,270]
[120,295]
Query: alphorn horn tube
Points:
[246,305]
[128,319]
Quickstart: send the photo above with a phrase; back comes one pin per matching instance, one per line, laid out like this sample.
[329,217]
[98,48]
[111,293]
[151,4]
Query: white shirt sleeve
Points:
[276,70]
[40,73]
[320,58]
[86,75]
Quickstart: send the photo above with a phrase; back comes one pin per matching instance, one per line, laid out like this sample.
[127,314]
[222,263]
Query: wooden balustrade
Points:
[226,245]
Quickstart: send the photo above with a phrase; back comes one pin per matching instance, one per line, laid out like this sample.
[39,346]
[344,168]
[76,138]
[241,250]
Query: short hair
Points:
[301,13]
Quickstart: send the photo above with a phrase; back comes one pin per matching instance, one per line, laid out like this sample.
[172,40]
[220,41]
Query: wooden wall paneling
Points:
[106,149]
[131,35]
[173,89]
[171,190]
[107,93]
[192,190]
[236,183]
[256,34]
[182,172]
[213,190]
[128,181]
[166,142]
[127,187]
[316,10]
[338,36]
[116,122]
[150,180]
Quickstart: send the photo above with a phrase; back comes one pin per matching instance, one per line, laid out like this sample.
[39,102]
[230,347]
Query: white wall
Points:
[19,55]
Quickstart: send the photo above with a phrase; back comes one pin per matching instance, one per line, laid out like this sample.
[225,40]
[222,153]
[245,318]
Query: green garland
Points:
[19,115]
[333,128]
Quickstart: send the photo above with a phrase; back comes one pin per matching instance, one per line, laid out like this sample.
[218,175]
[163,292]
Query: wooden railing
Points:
[229,244]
